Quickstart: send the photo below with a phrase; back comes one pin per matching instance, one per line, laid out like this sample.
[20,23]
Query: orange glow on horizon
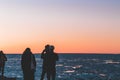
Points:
[71,46]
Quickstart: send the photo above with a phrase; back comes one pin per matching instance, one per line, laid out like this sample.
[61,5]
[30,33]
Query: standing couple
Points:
[28,63]
[49,62]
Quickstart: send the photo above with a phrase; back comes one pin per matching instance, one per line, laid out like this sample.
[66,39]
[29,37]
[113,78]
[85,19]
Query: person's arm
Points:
[5,58]
[22,62]
[42,54]
[57,57]
[34,61]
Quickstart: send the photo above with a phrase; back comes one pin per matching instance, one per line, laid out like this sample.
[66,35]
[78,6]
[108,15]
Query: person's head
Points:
[27,50]
[1,52]
[47,48]
[52,48]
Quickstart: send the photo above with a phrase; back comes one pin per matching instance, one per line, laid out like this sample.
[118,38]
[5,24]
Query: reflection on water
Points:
[111,62]
[69,71]
[73,67]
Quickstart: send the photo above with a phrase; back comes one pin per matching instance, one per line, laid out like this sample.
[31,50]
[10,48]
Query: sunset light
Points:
[72,26]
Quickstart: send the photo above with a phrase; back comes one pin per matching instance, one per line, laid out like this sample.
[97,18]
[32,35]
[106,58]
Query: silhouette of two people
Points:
[28,64]
[3,59]
[49,62]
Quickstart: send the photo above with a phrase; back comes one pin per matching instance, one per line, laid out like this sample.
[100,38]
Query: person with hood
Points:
[28,64]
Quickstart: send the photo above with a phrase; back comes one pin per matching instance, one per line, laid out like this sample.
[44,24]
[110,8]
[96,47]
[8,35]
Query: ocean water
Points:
[72,67]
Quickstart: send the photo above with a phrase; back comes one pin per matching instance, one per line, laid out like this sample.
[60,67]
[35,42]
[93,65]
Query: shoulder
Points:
[55,54]
[33,55]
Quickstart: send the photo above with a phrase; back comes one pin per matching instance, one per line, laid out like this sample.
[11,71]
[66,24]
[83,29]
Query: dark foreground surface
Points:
[71,67]
[7,78]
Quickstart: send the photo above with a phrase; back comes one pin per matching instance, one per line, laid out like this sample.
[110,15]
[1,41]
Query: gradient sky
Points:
[79,26]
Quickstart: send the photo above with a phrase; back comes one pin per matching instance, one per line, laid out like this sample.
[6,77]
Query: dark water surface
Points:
[72,67]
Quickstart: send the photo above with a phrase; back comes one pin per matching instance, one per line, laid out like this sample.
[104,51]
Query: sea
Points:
[71,67]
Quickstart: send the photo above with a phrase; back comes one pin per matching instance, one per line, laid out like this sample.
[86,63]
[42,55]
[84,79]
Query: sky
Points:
[72,26]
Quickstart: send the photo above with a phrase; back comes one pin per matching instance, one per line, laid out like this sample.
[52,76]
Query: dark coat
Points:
[26,61]
[3,58]
[49,60]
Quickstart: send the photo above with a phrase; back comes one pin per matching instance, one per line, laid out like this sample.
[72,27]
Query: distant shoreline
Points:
[73,53]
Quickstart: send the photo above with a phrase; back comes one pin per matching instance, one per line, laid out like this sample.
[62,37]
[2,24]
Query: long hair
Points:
[27,50]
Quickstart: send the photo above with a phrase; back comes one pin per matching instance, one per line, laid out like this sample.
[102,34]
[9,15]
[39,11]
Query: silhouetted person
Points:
[45,61]
[53,57]
[49,62]
[3,58]
[28,64]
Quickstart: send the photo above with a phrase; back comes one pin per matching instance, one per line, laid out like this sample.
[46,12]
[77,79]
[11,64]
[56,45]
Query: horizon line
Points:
[70,53]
